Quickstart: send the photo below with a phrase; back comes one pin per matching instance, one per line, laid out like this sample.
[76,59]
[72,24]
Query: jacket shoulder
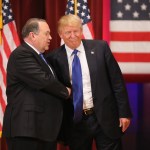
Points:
[95,42]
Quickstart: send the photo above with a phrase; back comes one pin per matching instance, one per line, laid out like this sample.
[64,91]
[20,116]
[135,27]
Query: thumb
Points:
[120,125]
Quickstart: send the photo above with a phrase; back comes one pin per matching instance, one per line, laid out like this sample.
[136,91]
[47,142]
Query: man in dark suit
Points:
[106,112]
[33,114]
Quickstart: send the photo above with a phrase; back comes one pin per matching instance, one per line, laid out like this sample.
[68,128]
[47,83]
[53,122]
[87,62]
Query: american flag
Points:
[84,13]
[10,41]
[129,28]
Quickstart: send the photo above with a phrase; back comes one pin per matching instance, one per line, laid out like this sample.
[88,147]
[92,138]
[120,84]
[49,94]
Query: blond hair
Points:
[69,20]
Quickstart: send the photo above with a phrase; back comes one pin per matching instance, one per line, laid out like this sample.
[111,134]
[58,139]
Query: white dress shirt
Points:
[87,92]
[39,54]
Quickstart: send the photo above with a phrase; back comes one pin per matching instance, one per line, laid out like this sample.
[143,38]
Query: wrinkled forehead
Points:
[43,26]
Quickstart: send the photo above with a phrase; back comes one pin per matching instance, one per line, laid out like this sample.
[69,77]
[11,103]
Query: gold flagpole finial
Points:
[75,7]
[0,134]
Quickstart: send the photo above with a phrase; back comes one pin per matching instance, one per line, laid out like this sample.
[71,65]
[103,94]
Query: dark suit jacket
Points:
[108,89]
[34,97]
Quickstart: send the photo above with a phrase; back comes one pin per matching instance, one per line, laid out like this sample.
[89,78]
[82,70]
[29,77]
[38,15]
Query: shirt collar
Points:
[69,51]
[33,48]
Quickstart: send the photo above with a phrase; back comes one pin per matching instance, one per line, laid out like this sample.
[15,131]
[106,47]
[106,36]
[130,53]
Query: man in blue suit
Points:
[106,112]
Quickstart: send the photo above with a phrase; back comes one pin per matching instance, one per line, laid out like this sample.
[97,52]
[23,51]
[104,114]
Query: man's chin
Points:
[47,48]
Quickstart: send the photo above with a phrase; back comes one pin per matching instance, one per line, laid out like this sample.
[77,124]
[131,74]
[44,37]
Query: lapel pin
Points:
[92,52]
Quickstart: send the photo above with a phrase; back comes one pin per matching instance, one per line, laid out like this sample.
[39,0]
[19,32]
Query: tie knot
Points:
[41,55]
[75,52]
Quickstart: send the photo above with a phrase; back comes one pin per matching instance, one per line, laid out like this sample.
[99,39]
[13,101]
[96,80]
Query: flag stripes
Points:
[133,68]
[88,31]
[130,47]
[130,37]
[10,41]
[126,26]
[132,57]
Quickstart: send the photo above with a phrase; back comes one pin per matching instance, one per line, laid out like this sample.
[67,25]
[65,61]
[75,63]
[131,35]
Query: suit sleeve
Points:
[31,73]
[117,83]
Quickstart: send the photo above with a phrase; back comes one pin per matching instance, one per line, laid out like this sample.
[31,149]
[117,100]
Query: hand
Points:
[124,123]
[69,91]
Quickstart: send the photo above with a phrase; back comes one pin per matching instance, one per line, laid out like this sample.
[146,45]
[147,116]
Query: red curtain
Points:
[52,10]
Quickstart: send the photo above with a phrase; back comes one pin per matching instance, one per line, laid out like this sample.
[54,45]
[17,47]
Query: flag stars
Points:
[82,10]
[67,6]
[135,1]
[135,14]
[71,8]
[143,7]
[5,7]
[72,2]
[119,1]
[84,7]
[119,14]
[10,17]
[88,17]
[82,14]
[82,21]
[78,4]
[130,10]
[4,14]
[10,10]
[127,7]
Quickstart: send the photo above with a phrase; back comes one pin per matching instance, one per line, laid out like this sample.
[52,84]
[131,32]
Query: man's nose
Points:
[72,34]
[50,37]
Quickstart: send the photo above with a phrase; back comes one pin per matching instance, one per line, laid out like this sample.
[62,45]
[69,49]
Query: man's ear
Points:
[60,35]
[32,36]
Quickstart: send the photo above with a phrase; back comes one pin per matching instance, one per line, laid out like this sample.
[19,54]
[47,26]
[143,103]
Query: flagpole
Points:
[75,7]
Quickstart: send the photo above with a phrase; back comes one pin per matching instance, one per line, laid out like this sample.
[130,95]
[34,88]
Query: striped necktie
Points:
[41,55]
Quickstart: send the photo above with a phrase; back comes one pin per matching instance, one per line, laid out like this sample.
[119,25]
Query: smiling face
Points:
[70,30]
[72,36]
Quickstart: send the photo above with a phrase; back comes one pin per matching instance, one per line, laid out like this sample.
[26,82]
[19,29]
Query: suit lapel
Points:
[91,60]
[64,67]
[43,64]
